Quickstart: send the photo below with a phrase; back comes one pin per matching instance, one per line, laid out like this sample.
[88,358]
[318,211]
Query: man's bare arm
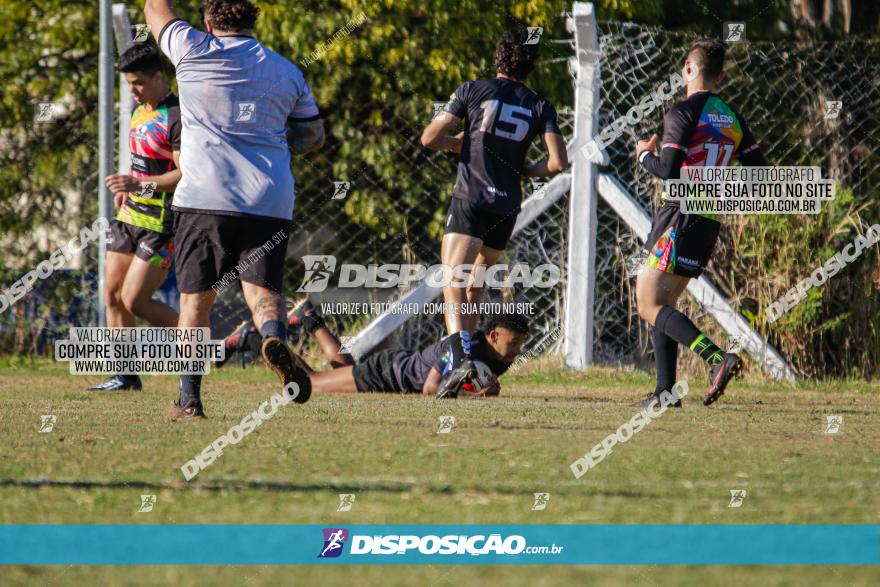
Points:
[436,135]
[556,161]
[125,184]
[158,13]
[165,182]
[169,180]
[303,137]
[432,382]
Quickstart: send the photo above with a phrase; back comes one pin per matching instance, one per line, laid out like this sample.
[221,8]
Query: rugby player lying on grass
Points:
[496,345]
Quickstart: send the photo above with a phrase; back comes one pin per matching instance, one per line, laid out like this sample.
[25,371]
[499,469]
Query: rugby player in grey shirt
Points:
[243,108]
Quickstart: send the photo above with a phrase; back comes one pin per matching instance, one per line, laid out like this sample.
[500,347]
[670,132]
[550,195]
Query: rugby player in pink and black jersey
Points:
[702,130]
[139,246]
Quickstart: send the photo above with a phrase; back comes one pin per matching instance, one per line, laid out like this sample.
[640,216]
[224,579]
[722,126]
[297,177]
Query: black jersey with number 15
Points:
[502,118]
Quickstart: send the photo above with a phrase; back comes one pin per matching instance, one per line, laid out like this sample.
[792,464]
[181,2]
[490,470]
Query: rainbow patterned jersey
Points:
[155,133]
[708,131]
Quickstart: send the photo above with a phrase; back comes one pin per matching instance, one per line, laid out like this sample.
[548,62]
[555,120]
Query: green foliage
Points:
[377,85]
[835,325]
[48,53]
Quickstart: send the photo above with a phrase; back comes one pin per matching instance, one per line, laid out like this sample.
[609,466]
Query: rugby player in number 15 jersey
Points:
[702,130]
[501,117]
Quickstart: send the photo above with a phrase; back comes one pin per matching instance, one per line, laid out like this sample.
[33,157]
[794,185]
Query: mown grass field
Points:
[769,439]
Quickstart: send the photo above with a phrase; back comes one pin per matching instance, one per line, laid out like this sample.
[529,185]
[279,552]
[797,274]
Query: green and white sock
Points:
[707,350]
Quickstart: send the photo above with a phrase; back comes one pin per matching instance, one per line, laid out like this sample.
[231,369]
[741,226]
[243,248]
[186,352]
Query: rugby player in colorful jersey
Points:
[139,246]
[702,130]
[501,117]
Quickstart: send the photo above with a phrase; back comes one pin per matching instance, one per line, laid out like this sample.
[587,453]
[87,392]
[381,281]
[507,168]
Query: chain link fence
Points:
[398,217]
[397,193]
[786,91]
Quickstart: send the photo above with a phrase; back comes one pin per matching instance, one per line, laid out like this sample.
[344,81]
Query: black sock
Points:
[190,388]
[679,327]
[274,328]
[665,357]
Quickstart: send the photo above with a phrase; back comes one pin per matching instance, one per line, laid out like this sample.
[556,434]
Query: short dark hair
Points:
[230,15]
[709,56]
[512,321]
[512,56]
[142,57]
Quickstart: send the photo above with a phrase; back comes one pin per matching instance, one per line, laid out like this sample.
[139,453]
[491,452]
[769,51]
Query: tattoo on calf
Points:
[268,308]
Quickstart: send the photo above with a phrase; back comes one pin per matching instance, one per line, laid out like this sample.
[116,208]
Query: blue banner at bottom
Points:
[250,544]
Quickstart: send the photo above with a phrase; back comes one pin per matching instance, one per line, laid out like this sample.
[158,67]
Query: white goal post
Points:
[113,24]
[580,285]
